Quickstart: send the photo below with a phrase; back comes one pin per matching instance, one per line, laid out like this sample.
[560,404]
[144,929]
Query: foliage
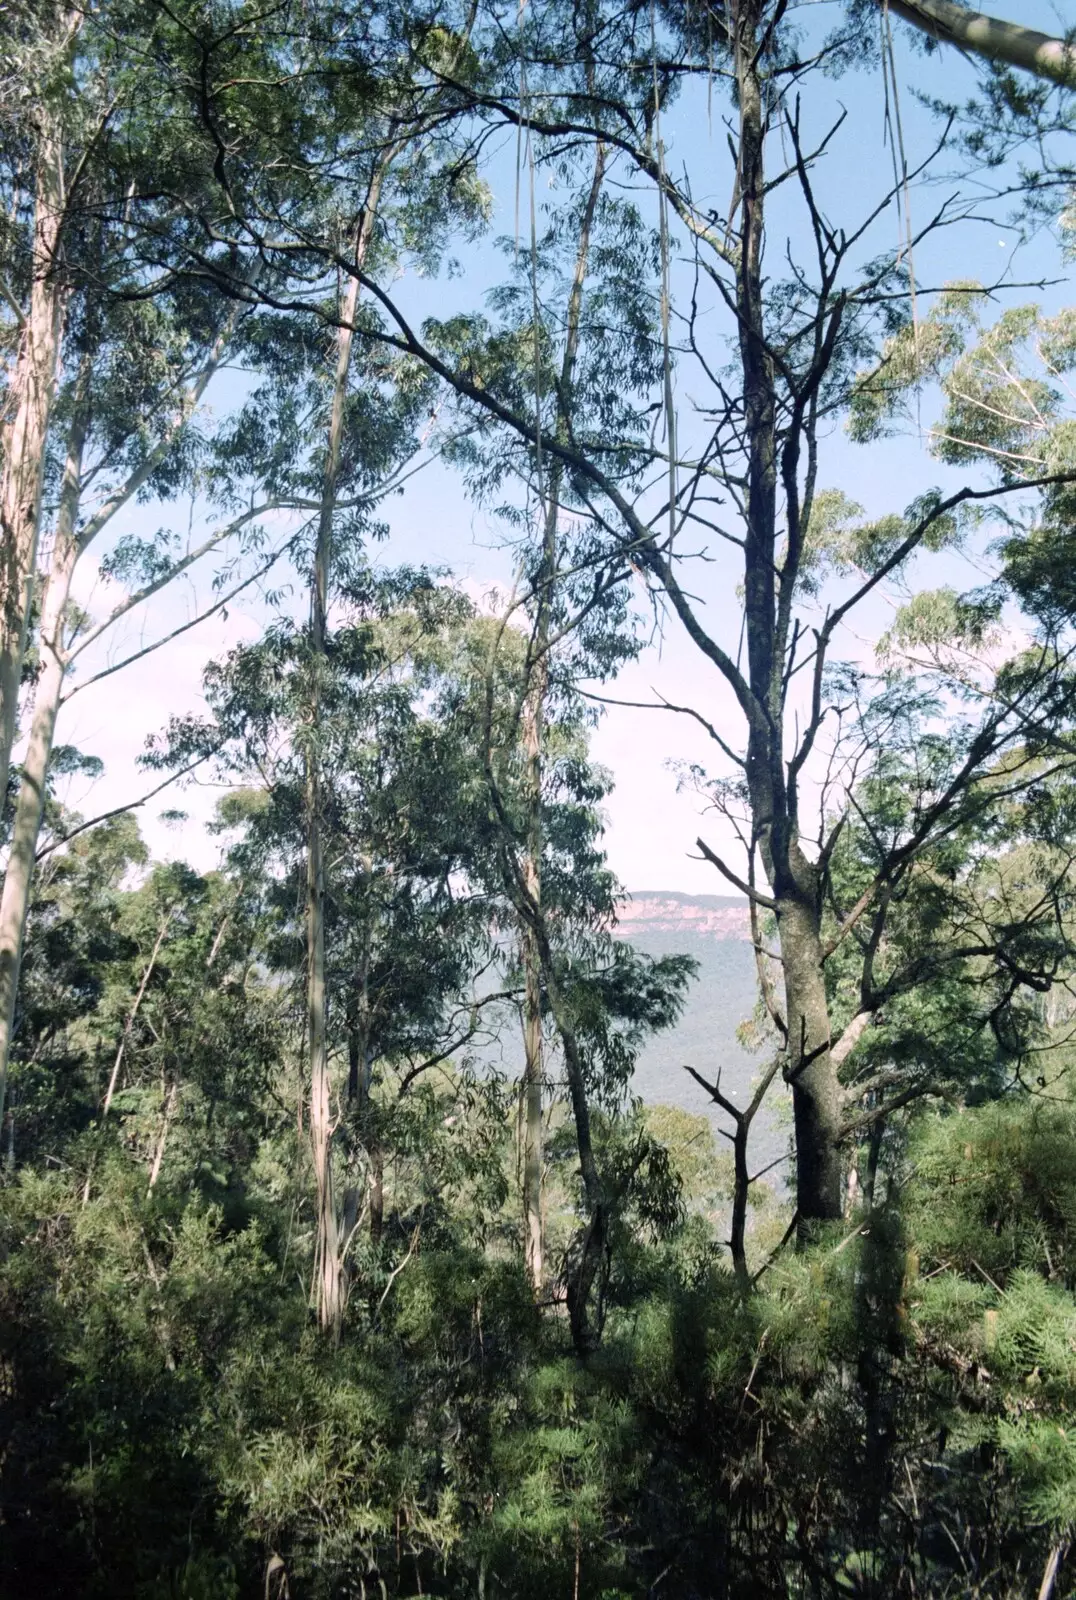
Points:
[413,815]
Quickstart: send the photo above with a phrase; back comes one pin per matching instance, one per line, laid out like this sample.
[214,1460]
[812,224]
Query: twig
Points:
[772,1257]
[1053,1561]
[395,1273]
[117,811]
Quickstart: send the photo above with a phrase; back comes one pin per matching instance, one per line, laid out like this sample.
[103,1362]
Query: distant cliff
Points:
[664,911]
[715,929]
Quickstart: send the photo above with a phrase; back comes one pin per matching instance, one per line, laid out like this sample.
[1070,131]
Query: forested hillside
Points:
[390,1203]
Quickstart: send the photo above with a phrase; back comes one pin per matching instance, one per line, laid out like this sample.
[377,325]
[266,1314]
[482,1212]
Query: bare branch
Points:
[117,811]
[745,888]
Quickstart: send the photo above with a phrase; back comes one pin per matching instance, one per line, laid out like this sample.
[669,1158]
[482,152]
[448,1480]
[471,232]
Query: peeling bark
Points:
[24,431]
[18,875]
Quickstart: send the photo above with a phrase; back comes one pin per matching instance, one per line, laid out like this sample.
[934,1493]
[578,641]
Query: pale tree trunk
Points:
[69,544]
[377,1192]
[533,1052]
[18,876]
[534,710]
[328,1269]
[166,1122]
[24,432]
[533,1074]
[329,1280]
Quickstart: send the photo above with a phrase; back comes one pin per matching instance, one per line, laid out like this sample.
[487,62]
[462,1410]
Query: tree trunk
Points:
[328,1274]
[769,587]
[18,876]
[329,1266]
[534,710]
[166,1122]
[377,1193]
[874,1152]
[128,1026]
[24,432]
[740,1192]
[588,1265]
[69,544]
[816,1095]
[533,1126]
[329,1280]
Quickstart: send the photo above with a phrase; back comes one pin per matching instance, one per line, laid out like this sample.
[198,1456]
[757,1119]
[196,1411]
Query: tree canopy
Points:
[340,1253]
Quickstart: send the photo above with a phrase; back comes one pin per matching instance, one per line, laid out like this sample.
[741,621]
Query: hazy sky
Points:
[651,828]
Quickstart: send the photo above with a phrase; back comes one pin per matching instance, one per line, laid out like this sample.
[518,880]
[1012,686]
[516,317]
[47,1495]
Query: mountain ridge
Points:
[670,910]
[716,931]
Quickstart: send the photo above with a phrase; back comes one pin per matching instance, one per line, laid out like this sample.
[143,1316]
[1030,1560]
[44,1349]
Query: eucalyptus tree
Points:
[374,180]
[609,77]
[101,405]
[186,1037]
[408,933]
[132,422]
[87,133]
[598,998]
[126,413]
[370,171]
[579,320]
[955,956]
[797,345]
[398,946]
[38,63]
[73,937]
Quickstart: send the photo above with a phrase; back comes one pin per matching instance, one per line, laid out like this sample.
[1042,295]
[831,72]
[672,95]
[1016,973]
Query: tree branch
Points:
[184,627]
[745,888]
[117,811]
[991,38]
[150,589]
